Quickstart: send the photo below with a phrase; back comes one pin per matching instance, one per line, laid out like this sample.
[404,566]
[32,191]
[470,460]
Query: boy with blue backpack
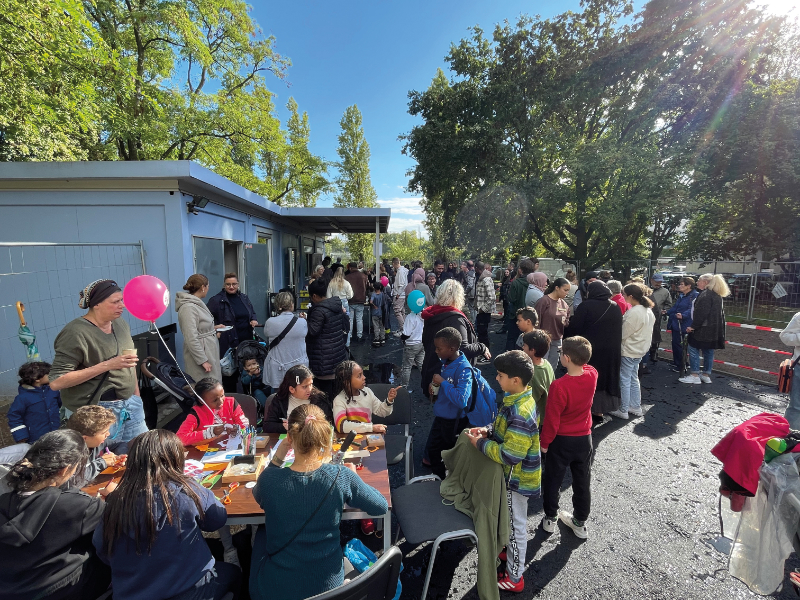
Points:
[460,397]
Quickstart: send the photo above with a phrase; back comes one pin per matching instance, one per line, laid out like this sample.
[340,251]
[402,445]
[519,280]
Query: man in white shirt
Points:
[399,293]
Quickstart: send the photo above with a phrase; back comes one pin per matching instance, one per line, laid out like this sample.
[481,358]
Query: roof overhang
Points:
[189,178]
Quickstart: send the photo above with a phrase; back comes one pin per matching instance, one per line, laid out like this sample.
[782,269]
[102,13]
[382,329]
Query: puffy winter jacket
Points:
[436,318]
[683,305]
[34,412]
[328,326]
[201,417]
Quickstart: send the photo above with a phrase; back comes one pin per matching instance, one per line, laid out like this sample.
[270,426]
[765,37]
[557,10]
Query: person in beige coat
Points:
[200,347]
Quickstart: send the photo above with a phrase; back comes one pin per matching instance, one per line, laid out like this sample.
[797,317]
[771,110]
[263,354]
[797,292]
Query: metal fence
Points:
[47,278]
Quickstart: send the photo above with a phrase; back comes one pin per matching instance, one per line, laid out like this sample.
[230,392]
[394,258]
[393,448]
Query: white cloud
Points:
[403,206]
[397,224]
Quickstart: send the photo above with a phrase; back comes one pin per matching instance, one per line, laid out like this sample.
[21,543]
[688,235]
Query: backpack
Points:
[482,408]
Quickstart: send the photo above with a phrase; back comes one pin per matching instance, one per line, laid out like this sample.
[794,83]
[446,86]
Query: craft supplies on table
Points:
[244,468]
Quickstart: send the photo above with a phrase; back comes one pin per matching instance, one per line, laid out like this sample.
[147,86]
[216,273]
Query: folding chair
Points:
[423,518]
[248,404]
[379,582]
[398,447]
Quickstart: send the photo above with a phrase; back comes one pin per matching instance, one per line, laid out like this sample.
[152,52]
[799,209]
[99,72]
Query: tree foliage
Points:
[152,80]
[579,133]
[407,246]
[353,183]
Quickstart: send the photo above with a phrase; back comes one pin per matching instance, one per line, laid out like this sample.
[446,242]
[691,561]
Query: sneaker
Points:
[635,413]
[675,369]
[397,334]
[504,583]
[694,379]
[367,526]
[569,521]
[383,342]
[548,524]
[231,557]
[376,343]
[705,378]
[619,414]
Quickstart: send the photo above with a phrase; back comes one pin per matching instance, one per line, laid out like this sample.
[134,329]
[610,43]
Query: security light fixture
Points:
[197,202]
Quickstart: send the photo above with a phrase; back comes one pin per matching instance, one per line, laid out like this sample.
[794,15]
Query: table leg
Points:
[387,531]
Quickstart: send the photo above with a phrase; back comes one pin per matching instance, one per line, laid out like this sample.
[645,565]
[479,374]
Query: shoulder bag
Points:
[785,373]
[282,334]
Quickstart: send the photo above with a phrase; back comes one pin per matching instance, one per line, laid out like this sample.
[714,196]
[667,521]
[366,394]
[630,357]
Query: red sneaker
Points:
[504,583]
[503,556]
[367,526]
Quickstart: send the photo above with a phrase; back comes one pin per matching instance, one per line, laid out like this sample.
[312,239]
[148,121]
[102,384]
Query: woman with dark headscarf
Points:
[95,361]
[599,320]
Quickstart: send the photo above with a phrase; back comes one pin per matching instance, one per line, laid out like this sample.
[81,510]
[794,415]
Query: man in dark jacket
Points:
[326,341]
[516,300]
[359,282]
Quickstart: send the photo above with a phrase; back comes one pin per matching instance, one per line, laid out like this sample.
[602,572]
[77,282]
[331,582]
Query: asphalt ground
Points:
[654,529]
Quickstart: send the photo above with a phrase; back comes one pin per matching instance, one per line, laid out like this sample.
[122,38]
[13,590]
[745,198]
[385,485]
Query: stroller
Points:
[253,383]
[170,379]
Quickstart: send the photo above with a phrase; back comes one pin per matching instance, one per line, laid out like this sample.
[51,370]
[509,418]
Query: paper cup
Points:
[129,352]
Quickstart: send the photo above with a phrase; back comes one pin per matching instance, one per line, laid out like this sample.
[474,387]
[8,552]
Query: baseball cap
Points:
[591,275]
[658,277]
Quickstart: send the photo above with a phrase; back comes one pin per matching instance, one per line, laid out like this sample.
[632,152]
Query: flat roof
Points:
[190,178]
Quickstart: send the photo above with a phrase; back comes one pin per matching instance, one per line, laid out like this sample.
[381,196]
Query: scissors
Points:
[226,495]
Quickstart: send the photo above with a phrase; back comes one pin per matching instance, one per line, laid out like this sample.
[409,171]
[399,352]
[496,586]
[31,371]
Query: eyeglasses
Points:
[232,284]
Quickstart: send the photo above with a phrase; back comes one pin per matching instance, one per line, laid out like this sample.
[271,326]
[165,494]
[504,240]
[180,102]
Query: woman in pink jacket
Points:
[213,414]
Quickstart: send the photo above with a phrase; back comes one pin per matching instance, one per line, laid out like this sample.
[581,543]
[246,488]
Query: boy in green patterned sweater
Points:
[513,441]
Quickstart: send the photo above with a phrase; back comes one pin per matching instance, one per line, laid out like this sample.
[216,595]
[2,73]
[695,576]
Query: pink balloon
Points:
[385,280]
[146,297]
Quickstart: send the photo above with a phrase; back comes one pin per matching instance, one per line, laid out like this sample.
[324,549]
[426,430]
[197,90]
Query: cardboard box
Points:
[229,476]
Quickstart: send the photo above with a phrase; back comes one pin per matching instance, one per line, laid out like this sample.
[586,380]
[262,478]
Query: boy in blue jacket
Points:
[37,409]
[454,393]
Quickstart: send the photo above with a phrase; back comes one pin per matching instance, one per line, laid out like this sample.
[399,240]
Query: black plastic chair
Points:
[422,517]
[248,404]
[398,447]
[379,582]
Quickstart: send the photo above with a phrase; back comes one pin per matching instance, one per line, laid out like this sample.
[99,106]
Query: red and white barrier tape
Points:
[759,327]
[746,346]
[730,364]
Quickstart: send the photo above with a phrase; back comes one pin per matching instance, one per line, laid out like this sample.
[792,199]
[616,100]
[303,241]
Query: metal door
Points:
[209,260]
[256,268]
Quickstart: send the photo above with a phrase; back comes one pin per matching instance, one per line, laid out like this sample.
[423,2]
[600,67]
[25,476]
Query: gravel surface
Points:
[654,528]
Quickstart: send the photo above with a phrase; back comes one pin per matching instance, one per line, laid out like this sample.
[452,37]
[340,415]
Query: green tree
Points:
[576,132]
[353,183]
[407,246]
[48,99]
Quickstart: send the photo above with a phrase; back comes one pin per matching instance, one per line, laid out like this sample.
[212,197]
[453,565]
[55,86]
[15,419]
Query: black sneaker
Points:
[376,344]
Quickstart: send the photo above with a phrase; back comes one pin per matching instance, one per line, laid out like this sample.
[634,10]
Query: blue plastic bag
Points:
[362,558]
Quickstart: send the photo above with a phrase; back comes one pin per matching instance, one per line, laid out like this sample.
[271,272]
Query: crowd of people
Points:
[574,351]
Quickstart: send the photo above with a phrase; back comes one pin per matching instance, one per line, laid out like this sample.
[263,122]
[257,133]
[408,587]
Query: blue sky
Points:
[371,54]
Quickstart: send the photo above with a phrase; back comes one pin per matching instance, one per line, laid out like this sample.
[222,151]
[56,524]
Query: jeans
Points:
[517,534]
[399,307]
[482,325]
[792,413]
[378,333]
[694,360]
[214,584]
[554,354]
[677,349]
[130,418]
[412,355]
[630,392]
[574,452]
[357,315]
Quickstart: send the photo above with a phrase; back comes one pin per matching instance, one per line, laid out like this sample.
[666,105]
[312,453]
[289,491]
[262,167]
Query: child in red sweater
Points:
[214,417]
[566,438]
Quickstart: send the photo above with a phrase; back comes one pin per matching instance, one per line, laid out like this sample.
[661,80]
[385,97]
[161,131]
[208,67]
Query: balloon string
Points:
[152,329]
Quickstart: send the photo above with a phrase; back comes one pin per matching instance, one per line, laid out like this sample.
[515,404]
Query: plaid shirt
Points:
[485,299]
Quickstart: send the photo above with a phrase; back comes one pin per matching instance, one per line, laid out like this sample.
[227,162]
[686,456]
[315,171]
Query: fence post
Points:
[752,298]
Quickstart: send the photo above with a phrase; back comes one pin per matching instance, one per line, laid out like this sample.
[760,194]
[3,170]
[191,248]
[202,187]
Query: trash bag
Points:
[768,524]
[362,558]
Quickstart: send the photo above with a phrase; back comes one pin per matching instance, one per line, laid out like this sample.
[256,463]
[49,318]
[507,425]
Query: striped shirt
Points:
[515,444]
[356,415]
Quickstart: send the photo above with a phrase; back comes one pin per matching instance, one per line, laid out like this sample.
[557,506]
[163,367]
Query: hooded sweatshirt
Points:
[45,538]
